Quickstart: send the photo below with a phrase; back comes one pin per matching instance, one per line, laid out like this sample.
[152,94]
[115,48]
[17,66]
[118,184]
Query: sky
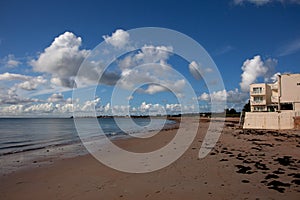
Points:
[43,46]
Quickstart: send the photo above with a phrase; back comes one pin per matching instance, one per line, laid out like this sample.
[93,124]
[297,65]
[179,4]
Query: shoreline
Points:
[243,164]
[40,156]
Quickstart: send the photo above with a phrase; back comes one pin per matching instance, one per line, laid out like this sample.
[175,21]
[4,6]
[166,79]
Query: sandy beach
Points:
[245,164]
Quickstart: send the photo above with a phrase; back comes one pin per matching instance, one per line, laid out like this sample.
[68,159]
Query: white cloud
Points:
[173,107]
[157,72]
[11,76]
[274,78]
[10,96]
[147,54]
[107,107]
[153,88]
[29,82]
[120,109]
[175,86]
[290,48]
[195,70]
[256,2]
[32,83]
[10,61]
[13,109]
[264,2]
[145,107]
[231,96]
[61,59]
[198,71]
[130,98]
[151,109]
[56,97]
[119,38]
[56,105]
[40,108]
[254,68]
[91,105]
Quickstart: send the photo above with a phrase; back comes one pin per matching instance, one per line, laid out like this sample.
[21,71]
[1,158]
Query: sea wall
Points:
[270,120]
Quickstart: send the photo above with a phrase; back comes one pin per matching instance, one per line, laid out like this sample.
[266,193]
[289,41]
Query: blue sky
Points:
[252,38]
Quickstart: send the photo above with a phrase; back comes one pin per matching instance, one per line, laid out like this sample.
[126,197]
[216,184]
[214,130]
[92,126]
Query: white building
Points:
[274,106]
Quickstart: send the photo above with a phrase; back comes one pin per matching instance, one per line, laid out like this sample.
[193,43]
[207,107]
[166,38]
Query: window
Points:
[257,90]
[258,99]
[287,106]
[259,108]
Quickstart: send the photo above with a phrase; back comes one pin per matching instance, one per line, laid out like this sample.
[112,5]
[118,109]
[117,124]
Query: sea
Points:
[33,142]
[28,134]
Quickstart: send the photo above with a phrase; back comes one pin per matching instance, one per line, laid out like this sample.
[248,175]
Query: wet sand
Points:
[245,164]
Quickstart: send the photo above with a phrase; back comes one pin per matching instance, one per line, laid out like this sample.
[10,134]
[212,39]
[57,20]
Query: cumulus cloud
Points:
[91,105]
[40,108]
[176,107]
[231,96]
[254,68]
[61,59]
[56,105]
[147,54]
[32,83]
[158,71]
[13,109]
[11,76]
[154,88]
[29,82]
[56,97]
[119,38]
[10,96]
[151,109]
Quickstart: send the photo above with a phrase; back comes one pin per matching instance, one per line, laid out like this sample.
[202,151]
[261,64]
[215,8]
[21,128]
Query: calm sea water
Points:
[19,135]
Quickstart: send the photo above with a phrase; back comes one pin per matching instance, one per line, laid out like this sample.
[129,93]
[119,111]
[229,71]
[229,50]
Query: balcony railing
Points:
[258,92]
[263,102]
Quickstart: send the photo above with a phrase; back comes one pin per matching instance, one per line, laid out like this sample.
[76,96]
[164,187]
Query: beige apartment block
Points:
[275,105]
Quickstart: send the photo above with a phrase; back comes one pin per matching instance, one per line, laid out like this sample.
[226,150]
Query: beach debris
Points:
[285,160]
[223,159]
[261,166]
[294,175]
[245,181]
[240,156]
[270,176]
[279,171]
[278,186]
[244,169]
[296,181]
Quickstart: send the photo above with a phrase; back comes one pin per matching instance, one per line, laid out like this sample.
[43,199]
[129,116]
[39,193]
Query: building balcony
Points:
[258,103]
[257,93]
